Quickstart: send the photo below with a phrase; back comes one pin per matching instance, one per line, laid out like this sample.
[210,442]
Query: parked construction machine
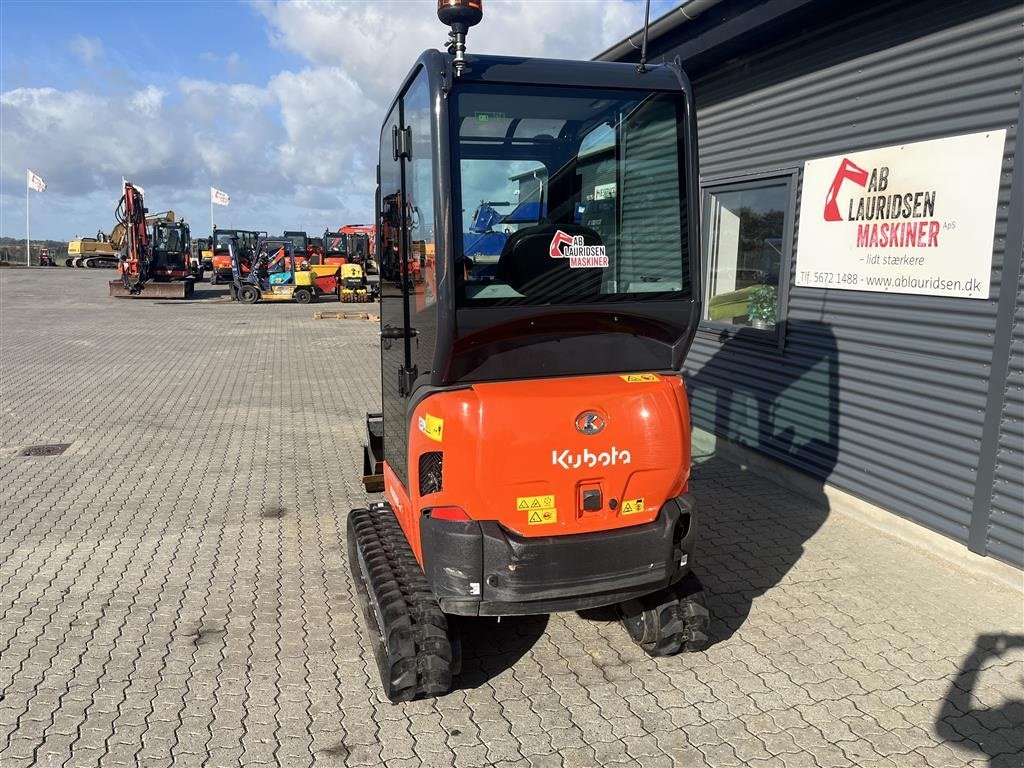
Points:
[275,273]
[221,266]
[153,252]
[335,248]
[92,252]
[533,444]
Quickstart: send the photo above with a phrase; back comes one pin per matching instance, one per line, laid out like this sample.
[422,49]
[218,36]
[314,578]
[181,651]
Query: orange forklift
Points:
[533,446]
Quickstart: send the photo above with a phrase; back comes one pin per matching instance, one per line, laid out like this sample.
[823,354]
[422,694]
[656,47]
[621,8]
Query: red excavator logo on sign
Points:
[847,170]
[557,242]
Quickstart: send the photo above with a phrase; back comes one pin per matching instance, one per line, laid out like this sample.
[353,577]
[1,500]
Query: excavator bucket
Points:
[152,290]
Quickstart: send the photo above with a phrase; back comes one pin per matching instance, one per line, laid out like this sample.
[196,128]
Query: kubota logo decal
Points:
[579,254]
[847,170]
[609,458]
[590,423]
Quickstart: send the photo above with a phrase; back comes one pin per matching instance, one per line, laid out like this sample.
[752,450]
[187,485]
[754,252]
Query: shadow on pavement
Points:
[489,648]
[785,406]
[988,722]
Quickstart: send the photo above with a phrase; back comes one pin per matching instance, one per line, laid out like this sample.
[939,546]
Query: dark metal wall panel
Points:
[882,395]
[1006,521]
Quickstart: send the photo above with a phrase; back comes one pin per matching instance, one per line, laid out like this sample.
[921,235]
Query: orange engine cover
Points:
[548,457]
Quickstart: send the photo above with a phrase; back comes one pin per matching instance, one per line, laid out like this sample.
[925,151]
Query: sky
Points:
[279,104]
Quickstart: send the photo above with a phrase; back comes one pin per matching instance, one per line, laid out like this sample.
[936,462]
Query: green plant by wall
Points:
[763,305]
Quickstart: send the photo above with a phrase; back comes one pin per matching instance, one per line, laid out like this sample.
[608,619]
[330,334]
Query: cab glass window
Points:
[568,196]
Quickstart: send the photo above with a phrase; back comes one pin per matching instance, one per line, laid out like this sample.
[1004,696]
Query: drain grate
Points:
[53,449]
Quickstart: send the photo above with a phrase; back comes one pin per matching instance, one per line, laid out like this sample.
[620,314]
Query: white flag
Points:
[36,182]
[218,197]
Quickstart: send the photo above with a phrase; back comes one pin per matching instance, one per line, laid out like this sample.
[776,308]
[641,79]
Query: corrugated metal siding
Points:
[1006,523]
[883,395]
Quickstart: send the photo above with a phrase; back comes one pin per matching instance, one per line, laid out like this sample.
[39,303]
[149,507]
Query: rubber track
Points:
[669,621]
[407,628]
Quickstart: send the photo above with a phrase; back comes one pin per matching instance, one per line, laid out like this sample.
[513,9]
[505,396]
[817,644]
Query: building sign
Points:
[914,218]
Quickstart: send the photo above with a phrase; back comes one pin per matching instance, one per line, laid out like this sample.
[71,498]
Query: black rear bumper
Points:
[478,568]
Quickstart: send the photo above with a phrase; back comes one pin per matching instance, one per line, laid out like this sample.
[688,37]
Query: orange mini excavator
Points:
[534,441]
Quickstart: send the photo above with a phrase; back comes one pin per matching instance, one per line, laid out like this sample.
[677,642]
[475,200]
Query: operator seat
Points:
[526,265]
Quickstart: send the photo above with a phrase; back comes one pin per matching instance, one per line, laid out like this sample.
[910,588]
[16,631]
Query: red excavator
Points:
[533,444]
[156,262]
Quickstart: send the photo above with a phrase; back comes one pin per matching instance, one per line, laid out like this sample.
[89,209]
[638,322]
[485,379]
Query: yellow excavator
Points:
[101,251]
[92,252]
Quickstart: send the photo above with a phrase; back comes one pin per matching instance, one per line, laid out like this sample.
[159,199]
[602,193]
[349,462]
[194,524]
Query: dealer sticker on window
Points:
[579,254]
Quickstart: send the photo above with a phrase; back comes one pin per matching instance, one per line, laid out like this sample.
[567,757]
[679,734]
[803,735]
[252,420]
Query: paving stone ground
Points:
[174,587]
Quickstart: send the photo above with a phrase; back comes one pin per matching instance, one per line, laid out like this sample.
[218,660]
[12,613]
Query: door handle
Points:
[394,332]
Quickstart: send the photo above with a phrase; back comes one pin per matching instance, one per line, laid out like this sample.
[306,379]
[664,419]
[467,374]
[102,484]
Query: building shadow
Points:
[972,717]
[779,405]
[489,648]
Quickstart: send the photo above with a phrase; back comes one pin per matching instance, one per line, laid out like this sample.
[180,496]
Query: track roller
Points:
[668,621]
[408,630]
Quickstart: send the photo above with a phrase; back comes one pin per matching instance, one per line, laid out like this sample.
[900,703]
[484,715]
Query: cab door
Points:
[396,352]
[406,258]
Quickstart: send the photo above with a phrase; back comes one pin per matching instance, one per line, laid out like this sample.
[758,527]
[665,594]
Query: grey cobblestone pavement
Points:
[174,587]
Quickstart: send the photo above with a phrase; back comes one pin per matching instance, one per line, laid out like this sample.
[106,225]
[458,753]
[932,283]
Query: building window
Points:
[746,252]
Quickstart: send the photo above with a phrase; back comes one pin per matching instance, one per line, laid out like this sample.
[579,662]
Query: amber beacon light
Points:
[460,15]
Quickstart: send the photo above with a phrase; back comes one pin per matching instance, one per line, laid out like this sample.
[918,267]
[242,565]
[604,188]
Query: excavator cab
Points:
[171,258]
[335,248]
[533,444]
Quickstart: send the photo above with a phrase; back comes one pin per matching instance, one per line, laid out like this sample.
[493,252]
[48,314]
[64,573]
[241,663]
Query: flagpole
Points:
[211,214]
[28,241]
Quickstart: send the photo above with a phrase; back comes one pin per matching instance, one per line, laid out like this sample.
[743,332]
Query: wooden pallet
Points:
[345,316]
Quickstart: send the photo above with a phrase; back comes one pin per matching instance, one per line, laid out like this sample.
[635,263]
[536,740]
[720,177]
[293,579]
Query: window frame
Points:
[716,329]
[689,278]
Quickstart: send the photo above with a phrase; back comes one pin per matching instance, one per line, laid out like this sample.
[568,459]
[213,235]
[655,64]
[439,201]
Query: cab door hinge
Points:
[401,139]
[406,379]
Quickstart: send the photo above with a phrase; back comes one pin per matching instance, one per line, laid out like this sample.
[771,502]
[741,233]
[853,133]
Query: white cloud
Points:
[88,49]
[147,102]
[297,150]
[362,38]
[71,135]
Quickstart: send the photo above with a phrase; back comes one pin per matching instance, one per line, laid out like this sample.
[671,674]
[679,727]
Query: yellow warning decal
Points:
[540,510]
[542,517]
[432,427]
[535,502]
[632,506]
[639,378]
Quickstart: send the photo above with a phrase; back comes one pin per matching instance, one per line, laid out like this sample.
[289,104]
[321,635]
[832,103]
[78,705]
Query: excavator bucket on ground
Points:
[179,289]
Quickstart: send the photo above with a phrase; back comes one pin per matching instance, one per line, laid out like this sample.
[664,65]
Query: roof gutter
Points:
[687,11]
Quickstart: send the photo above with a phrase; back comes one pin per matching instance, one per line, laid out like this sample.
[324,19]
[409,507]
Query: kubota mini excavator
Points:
[534,441]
